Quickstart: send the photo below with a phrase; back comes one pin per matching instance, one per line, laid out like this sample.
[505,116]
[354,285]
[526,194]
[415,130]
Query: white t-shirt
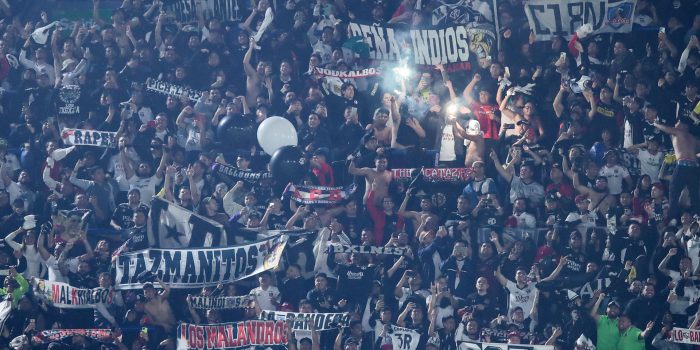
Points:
[447,145]
[147,187]
[615,174]
[693,246]
[524,297]
[264,297]
[650,164]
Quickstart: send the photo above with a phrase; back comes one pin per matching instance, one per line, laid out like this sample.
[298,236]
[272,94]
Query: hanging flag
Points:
[82,137]
[319,194]
[173,226]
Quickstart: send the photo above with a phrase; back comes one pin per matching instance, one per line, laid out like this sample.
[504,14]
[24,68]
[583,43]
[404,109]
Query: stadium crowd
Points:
[576,226]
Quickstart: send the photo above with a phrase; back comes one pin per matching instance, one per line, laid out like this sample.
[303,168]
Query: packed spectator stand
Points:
[350,174]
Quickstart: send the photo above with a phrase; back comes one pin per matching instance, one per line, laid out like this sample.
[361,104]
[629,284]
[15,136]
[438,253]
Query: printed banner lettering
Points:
[446,44]
[552,18]
[225,10]
[685,336]
[453,175]
[254,334]
[165,88]
[404,338]
[302,321]
[230,175]
[52,335]
[67,103]
[366,249]
[368,72]
[319,194]
[218,303]
[195,268]
[63,295]
[82,137]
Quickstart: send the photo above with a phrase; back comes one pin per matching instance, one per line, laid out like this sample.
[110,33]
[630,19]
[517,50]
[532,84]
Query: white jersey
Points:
[523,298]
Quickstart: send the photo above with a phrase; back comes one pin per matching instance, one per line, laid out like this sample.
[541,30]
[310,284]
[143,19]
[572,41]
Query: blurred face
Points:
[624,323]
[648,291]
[314,121]
[388,204]
[482,285]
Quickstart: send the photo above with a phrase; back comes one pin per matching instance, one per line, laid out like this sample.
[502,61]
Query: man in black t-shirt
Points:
[122,218]
[137,235]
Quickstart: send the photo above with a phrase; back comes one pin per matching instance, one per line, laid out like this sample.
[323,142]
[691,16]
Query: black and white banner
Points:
[404,338]
[351,74]
[218,303]
[552,18]
[82,137]
[196,268]
[452,175]
[173,226]
[319,194]
[303,321]
[68,104]
[366,249]
[63,295]
[169,89]
[230,175]
[500,346]
[446,44]
[226,10]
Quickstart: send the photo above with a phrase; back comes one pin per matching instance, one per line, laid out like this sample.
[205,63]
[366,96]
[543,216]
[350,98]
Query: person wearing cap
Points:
[607,325]
[649,156]
[320,167]
[615,173]
[582,219]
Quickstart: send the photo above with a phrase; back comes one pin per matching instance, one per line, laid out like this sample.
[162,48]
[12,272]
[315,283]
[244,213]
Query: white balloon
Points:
[276,132]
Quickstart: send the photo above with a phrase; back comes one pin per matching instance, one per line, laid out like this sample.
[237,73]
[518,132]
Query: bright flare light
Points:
[452,108]
[402,71]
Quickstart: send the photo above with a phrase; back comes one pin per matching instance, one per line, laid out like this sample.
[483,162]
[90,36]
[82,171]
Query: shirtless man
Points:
[158,308]
[255,77]
[426,209]
[380,127]
[687,172]
[377,179]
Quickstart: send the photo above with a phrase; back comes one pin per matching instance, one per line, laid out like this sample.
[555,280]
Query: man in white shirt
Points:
[522,292]
[142,178]
[266,296]
[615,173]
[650,158]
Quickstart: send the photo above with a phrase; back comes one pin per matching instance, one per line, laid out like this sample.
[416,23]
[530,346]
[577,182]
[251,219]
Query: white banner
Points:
[63,295]
[195,268]
[552,18]
[404,338]
[218,303]
[82,137]
[499,346]
[302,321]
[685,336]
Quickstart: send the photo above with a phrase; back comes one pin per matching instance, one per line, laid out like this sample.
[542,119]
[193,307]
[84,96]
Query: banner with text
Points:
[230,175]
[254,334]
[303,321]
[446,44]
[54,335]
[195,268]
[184,11]
[82,137]
[218,303]
[170,89]
[367,249]
[552,18]
[352,74]
[319,194]
[452,175]
[500,346]
[685,336]
[63,295]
